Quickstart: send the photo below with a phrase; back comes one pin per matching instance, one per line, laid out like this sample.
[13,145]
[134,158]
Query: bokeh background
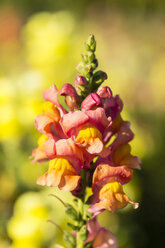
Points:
[40,44]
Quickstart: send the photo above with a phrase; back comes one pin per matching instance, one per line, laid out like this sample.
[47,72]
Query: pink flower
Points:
[87,128]
[120,150]
[99,236]
[113,106]
[61,173]
[107,188]
[65,165]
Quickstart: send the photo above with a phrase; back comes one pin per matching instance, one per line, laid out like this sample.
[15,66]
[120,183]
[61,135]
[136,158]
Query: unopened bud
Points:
[104,92]
[81,85]
[71,97]
[80,80]
[91,101]
[68,90]
[98,79]
[91,43]
[99,76]
[71,102]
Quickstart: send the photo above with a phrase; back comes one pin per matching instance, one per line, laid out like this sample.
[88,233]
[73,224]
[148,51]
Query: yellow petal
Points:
[62,166]
[61,173]
[41,141]
[91,138]
[50,109]
[112,196]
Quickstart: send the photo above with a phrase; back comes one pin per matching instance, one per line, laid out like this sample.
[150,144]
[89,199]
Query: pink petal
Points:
[52,95]
[105,239]
[104,92]
[68,90]
[124,135]
[80,80]
[105,172]
[91,101]
[50,148]
[42,124]
[113,106]
[71,121]
[93,227]
[66,148]
[98,119]
[39,156]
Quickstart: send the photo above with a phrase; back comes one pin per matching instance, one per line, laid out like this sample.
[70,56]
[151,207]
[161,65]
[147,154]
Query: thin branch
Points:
[58,199]
[56,225]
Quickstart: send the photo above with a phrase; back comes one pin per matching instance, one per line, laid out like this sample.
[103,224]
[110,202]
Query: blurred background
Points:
[40,44]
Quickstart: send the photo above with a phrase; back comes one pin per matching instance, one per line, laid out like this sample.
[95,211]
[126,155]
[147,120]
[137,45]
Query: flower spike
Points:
[87,147]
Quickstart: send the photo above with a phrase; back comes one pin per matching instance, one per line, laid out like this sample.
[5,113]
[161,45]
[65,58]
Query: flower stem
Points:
[82,216]
[80,243]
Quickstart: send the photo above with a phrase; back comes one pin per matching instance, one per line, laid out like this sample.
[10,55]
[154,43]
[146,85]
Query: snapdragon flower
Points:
[86,147]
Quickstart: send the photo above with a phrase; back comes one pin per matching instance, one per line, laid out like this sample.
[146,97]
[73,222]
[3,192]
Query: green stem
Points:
[82,215]
[80,243]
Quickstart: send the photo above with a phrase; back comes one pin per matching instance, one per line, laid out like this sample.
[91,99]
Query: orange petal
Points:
[61,174]
[122,174]
[112,197]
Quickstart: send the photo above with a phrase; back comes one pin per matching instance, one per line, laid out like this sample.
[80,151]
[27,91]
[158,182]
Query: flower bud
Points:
[68,90]
[91,101]
[80,80]
[91,43]
[80,84]
[71,102]
[99,77]
[71,97]
[104,92]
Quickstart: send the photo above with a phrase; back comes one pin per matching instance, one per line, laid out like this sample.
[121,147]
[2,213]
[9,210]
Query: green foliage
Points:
[69,239]
[71,212]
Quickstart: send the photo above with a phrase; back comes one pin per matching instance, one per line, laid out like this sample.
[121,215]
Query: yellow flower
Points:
[91,138]
[112,197]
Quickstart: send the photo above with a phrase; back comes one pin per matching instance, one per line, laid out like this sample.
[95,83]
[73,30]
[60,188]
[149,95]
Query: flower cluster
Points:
[87,146]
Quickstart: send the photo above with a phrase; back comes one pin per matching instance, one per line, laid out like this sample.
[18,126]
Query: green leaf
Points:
[70,240]
[73,227]
[71,212]
[83,233]
[88,245]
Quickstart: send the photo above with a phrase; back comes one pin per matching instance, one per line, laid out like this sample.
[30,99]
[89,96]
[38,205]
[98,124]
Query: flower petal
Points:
[91,101]
[113,106]
[105,172]
[122,156]
[62,174]
[73,120]
[105,239]
[66,148]
[104,92]
[52,95]
[123,136]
